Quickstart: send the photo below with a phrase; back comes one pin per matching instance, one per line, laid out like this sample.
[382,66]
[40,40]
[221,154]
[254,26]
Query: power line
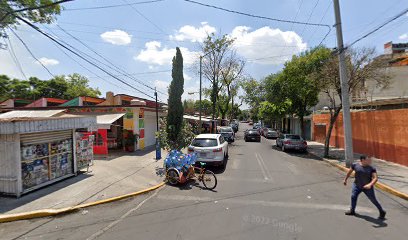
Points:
[34,8]
[113,6]
[146,18]
[379,27]
[310,16]
[321,20]
[31,53]
[78,55]
[15,59]
[257,16]
[107,60]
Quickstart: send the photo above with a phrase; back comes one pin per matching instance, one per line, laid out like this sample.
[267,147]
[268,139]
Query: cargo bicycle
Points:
[207,177]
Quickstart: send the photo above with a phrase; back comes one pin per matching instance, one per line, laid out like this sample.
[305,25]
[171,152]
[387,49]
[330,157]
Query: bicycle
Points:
[205,176]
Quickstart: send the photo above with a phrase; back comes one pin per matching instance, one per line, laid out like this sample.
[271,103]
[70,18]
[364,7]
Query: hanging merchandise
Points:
[84,149]
[45,161]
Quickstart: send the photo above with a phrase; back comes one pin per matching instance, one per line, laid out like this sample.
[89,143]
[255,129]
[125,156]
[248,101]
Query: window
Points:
[204,142]
[295,137]
[222,140]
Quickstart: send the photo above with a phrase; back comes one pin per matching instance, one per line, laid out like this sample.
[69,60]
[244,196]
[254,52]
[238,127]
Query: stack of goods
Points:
[178,160]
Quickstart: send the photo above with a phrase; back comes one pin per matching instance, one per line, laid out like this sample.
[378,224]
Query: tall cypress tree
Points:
[175,106]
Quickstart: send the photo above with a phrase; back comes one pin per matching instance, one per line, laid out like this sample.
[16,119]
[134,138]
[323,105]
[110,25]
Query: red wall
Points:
[382,134]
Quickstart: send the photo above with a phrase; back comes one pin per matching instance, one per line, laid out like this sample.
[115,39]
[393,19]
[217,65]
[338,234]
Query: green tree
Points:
[254,95]
[175,106]
[188,106]
[217,50]
[299,85]
[35,13]
[78,85]
[205,106]
[4,87]
[363,69]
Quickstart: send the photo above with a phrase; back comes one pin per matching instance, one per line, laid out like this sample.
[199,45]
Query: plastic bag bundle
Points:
[178,160]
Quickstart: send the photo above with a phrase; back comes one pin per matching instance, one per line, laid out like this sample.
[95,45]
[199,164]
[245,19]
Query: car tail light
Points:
[217,150]
[190,149]
[286,142]
[304,142]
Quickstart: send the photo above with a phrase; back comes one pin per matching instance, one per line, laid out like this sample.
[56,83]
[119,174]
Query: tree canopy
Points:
[35,11]
[64,87]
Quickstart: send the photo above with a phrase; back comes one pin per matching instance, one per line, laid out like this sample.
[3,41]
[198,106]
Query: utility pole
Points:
[199,121]
[158,150]
[348,138]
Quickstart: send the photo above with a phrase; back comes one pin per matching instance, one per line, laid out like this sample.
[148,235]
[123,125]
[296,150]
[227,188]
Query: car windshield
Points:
[226,130]
[204,142]
[295,137]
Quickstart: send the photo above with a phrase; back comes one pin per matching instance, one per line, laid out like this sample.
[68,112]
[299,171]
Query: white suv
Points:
[210,148]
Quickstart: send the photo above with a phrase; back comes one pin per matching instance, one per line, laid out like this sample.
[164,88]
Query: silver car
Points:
[210,148]
[291,142]
[270,133]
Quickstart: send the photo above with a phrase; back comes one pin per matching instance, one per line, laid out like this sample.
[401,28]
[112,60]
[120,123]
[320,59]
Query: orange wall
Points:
[382,134]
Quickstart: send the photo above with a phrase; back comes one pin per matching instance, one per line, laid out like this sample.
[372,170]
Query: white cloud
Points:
[403,36]
[267,45]
[193,34]
[47,61]
[186,77]
[161,85]
[155,54]
[117,37]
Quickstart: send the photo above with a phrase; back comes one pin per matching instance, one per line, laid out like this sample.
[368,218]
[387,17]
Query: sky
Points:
[141,38]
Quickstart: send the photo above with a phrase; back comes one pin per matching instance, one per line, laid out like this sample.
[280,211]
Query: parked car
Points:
[252,135]
[234,127]
[228,134]
[210,148]
[270,133]
[291,142]
[263,131]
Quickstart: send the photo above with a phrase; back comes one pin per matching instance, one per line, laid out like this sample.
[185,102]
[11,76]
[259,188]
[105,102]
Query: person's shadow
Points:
[378,223]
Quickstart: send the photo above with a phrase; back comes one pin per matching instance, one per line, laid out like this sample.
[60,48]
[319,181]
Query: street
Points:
[262,194]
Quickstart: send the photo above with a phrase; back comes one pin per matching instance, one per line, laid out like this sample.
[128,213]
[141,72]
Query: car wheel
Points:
[283,148]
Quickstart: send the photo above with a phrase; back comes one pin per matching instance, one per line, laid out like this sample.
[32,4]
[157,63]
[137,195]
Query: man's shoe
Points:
[350,213]
[382,215]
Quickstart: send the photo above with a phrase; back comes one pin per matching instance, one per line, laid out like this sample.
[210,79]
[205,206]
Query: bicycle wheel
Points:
[209,180]
[172,176]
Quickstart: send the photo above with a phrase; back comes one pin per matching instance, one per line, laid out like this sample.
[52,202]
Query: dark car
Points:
[228,134]
[234,127]
[252,135]
[291,142]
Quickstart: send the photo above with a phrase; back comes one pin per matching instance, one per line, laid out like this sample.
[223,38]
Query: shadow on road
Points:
[378,222]
[306,155]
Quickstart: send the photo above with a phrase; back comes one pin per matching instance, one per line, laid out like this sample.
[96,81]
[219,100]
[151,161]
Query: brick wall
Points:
[382,134]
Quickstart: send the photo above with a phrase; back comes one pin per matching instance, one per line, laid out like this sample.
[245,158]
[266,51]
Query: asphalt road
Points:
[262,194]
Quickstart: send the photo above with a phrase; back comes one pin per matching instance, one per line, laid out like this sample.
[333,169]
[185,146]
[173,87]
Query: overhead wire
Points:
[146,18]
[15,59]
[402,13]
[31,53]
[113,6]
[321,20]
[310,16]
[108,61]
[80,56]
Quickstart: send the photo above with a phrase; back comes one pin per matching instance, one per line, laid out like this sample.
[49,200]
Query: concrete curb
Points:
[54,212]
[379,185]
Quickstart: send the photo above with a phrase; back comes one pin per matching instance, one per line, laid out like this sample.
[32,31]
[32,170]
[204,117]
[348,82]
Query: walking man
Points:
[365,178]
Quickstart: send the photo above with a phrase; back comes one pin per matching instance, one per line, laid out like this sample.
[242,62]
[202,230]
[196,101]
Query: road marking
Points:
[121,218]
[233,179]
[304,205]
[265,170]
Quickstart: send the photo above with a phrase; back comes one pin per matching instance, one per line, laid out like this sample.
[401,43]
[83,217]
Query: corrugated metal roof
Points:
[31,113]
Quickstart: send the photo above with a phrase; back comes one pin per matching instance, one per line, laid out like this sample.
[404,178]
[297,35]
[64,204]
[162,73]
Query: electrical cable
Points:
[113,6]
[31,53]
[108,61]
[80,56]
[146,18]
[15,59]
[402,13]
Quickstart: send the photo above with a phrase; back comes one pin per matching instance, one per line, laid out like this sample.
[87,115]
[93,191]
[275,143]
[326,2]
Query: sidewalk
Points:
[389,173]
[108,177]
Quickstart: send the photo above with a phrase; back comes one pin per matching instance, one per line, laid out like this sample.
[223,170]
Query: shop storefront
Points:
[38,152]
